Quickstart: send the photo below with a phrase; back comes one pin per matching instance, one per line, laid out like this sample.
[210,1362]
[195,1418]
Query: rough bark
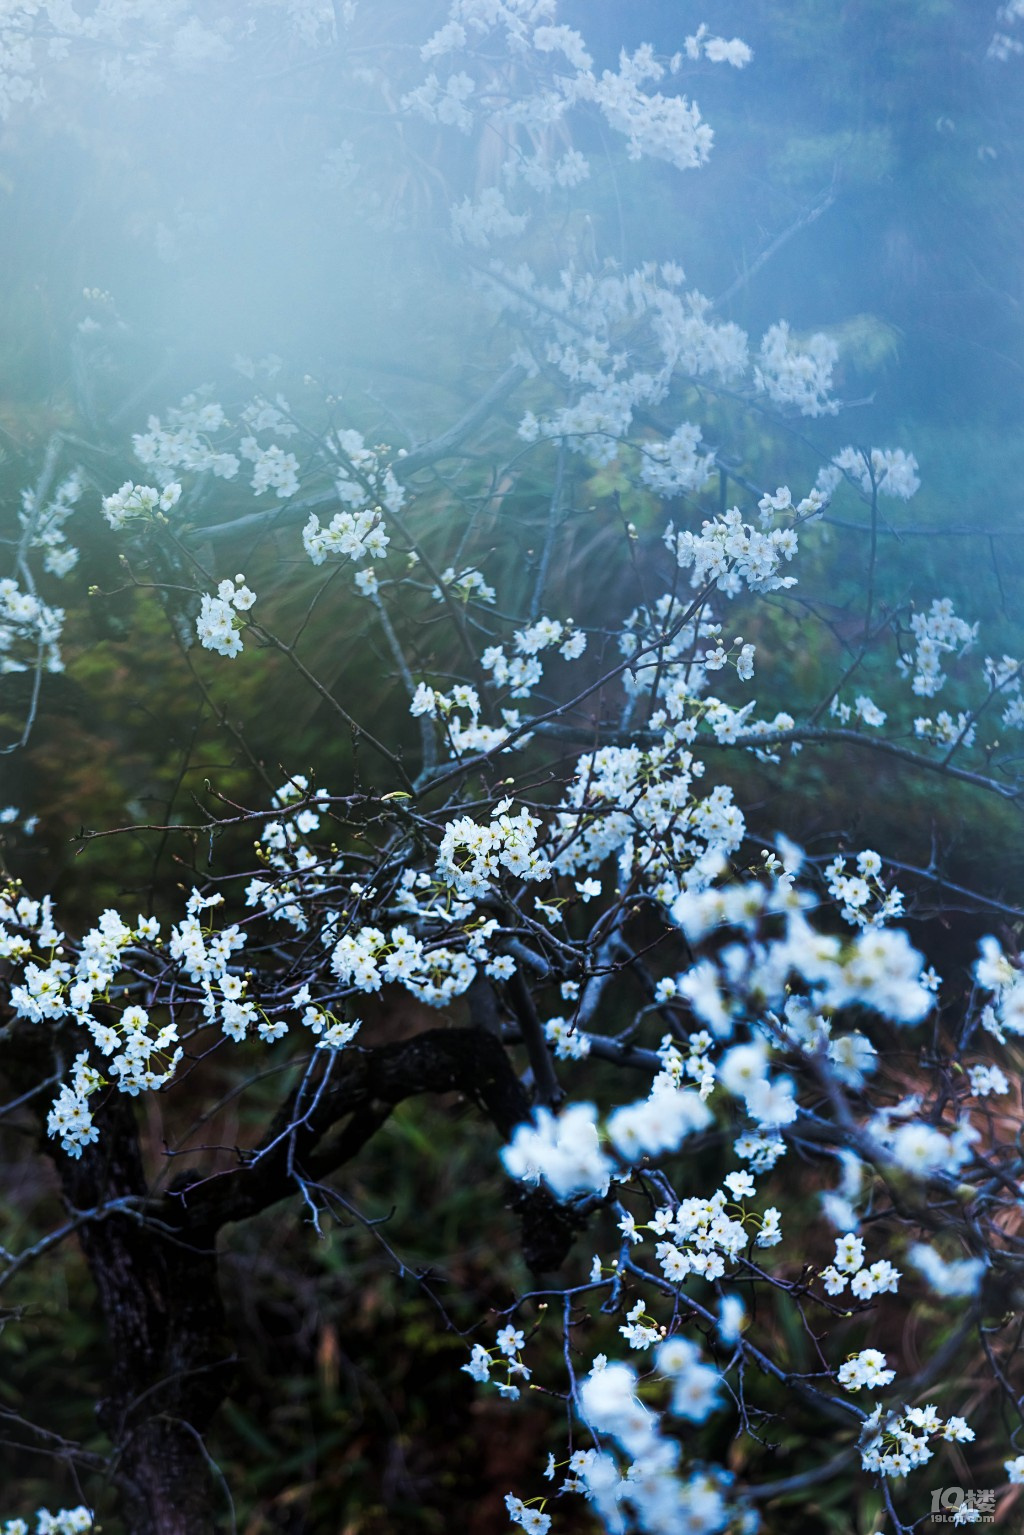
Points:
[163,1318]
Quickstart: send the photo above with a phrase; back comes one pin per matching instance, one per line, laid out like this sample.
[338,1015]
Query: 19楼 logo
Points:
[963,1505]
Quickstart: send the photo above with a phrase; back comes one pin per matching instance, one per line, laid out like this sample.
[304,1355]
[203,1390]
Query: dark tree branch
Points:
[369,1085]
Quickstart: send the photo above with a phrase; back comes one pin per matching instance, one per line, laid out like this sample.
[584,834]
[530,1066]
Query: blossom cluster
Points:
[707,1236]
[297,875]
[676,464]
[639,807]
[797,375]
[961,1277]
[30,630]
[471,856]
[273,468]
[877,969]
[44,523]
[777,969]
[352,534]
[506,1355]
[95,38]
[189,442]
[468,585]
[862,896]
[130,1048]
[864,1280]
[433,973]
[1004,980]
[666,127]
[66,1521]
[882,471]
[363,475]
[521,671]
[1005,676]
[938,632]
[459,711]
[701,1237]
[661,642]
[477,223]
[199,438]
[892,1442]
[138,1055]
[729,554]
[863,709]
[683,339]
[921,1148]
[141,502]
[662,1493]
[219,625]
[945,731]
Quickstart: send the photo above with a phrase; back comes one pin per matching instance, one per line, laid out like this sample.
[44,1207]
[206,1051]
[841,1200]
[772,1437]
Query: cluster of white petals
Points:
[938,633]
[30,630]
[138,501]
[66,1521]
[730,554]
[797,375]
[352,534]
[893,1442]
[219,624]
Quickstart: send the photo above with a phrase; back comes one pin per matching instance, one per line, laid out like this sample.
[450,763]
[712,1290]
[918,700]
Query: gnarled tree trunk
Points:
[164,1322]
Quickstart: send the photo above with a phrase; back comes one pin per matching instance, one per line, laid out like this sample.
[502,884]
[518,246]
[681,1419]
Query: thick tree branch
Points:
[364,1091]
